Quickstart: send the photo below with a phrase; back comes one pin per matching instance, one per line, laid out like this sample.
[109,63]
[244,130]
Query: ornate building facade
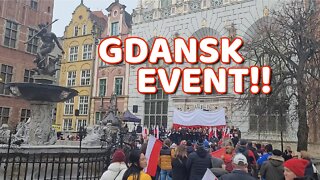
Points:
[19,21]
[112,79]
[77,66]
[199,18]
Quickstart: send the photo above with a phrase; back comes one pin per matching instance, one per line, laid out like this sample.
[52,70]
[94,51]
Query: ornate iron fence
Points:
[16,166]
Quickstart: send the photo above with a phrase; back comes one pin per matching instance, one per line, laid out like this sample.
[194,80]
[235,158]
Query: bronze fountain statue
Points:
[46,64]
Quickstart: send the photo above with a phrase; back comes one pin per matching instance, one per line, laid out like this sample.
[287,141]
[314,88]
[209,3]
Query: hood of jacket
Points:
[201,152]
[275,163]
[242,149]
[117,167]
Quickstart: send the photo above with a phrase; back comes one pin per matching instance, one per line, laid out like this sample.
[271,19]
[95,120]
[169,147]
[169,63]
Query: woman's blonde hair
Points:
[229,149]
[181,151]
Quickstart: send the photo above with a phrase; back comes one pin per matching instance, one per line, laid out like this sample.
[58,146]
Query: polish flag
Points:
[209,175]
[145,133]
[152,154]
[156,133]
[215,133]
[210,134]
[226,133]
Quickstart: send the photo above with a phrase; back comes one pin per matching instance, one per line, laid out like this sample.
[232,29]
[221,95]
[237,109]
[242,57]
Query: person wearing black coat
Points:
[179,169]
[198,162]
[179,164]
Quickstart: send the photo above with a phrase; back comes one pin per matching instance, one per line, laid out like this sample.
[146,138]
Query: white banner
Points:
[209,176]
[199,117]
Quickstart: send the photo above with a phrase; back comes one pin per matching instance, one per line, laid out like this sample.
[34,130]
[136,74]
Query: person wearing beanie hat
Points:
[117,168]
[294,168]
[198,162]
[118,156]
[272,169]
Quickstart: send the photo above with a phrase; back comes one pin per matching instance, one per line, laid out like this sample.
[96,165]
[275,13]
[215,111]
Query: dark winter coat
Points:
[272,170]
[197,164]
[179,169]
[249,155]
[237,175]
[190,149]
[218,172]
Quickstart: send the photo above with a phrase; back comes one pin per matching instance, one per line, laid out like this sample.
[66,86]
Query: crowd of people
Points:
[186,154]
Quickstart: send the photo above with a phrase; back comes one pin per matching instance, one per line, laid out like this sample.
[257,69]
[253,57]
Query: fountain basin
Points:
[41,92]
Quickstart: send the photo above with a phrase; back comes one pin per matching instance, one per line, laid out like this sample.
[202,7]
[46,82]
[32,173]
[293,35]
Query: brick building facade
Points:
[18,21]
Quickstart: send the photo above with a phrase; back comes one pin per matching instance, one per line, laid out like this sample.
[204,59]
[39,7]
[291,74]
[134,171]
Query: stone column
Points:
[41,123]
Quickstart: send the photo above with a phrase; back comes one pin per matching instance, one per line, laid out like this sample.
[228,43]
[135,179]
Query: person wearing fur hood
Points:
[272,169]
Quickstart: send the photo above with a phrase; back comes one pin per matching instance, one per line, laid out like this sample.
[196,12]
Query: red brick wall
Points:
[21,13]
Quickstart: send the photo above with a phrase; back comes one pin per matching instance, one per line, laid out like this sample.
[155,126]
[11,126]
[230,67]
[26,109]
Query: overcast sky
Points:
[63,10]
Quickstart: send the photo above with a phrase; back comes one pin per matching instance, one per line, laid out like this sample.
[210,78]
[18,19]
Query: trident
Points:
[40,31]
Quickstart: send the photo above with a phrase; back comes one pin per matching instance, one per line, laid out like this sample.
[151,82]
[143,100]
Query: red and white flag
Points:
[215,133]
[152,154]
[145,133]
[210,134]
[156,133]
[209,176]
[226,133]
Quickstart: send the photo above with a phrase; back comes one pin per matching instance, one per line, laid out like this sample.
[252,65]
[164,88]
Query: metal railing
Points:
[42,166]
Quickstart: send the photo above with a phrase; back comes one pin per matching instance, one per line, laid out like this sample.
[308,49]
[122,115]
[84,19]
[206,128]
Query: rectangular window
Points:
[71,79]
[156,109]
[5,77]
[28,76]
[84,29]
[76,31]
[102,87]
[24,115]
[11,34]
[99,116]
[115,29]
[85,77]
[68,107]
[73,55]
[118,86]
[4,115]
[67,124]
[81,123]
[83,105]
[87,51]
[32,46]
[34,4]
